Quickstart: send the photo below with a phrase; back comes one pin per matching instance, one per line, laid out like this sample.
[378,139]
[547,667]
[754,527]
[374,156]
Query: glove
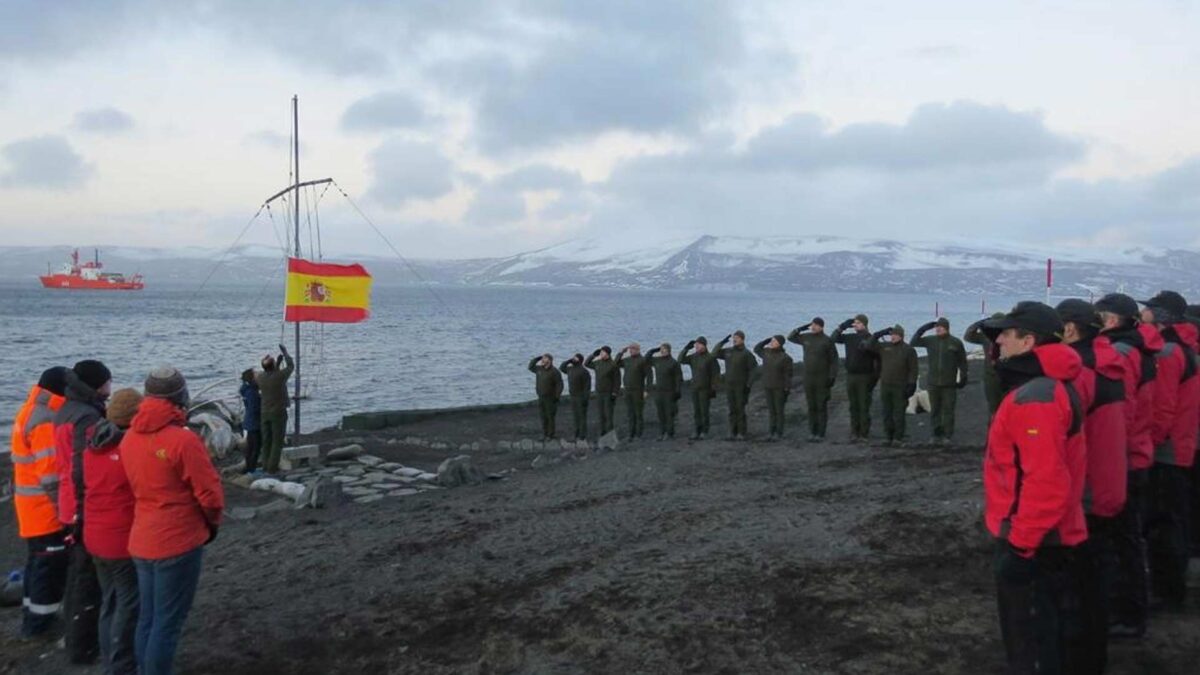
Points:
[910,390]
[727,338]
[846,324]
[926,327]
[962,384]
[978,325]
[283,350]
[881,333]
[212,534]
[689,345]
[596,353]
[803,328]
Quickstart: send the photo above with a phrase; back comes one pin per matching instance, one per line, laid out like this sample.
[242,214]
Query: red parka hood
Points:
[1059,361]
[154,414]
[1152,340]
[1108,361]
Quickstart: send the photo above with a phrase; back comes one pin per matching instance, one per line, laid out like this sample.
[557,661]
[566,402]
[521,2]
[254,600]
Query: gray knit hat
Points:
[167,383]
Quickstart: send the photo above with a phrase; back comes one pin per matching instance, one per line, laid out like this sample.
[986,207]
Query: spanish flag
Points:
[326,293]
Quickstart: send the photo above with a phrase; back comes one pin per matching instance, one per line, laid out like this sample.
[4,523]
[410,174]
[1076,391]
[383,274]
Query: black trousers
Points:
[253,446]
[1167,531]
[1039,608]
[608,403]
[45,580]
[81,606]
[1128,593]
[1095,567]
[118,615]
[579,414]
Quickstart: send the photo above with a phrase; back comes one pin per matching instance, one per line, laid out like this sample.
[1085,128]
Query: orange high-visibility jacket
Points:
[35,474]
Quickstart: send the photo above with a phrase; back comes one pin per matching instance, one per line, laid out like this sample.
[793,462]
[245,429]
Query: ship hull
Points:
[73,283]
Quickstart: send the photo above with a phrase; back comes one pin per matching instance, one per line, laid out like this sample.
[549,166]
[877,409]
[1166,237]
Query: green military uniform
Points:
[549,390]
[579,386]
[777,381]
[947,374]
[862,373]
[740,365]
[272,387]
[667,388]
[705,374]
[897,380]
[820,372]
[991,382]
[636,377]
[608,384]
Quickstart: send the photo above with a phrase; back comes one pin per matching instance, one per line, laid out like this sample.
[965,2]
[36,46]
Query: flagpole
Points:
[296,222]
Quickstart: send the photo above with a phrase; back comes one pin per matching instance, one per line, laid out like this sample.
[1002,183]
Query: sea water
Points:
[422,347]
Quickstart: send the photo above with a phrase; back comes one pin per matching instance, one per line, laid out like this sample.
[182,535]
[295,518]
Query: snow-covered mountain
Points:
[814,263]
[824,263]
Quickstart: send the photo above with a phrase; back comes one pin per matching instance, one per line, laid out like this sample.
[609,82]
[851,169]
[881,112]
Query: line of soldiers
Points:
[880,359]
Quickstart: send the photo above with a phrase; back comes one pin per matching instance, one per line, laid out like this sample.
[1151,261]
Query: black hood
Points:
[78,390]
[106,436]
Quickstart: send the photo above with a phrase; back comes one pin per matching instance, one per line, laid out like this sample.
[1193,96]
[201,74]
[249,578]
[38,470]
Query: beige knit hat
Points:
[122,406]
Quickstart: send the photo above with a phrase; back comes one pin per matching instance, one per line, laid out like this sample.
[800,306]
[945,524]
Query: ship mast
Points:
[296,240]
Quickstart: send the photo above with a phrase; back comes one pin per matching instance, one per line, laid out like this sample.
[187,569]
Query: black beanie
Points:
[606,349]
[702,341]
[92,373]
[819,321]
[54,380]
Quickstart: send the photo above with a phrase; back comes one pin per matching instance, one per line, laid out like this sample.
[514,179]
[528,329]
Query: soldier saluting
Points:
[820,372]
[637,376]
[897,379]
[608,384]
[777,381]
[862,372]
[705,374]
[579,386]
[947,374]
[549,388]
[740,365]
[668,385]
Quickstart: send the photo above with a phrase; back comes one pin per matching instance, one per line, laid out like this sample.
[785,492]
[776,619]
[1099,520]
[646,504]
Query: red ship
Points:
[90,276]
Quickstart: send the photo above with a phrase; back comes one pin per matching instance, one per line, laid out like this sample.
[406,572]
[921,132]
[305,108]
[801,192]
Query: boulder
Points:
[408,471]
[369,460]
[403,492]
[321,493]
[344,453]
[609,441]
[455,471]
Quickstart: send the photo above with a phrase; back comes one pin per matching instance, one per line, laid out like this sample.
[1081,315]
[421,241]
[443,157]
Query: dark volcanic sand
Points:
[658,557]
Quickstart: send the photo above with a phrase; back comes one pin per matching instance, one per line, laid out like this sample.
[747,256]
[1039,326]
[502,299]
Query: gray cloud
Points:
[961,134]
[402,171]
[647,67]
[500,201]
[948,171]
[384,111]
[106,120]
[269,139]
[42,162]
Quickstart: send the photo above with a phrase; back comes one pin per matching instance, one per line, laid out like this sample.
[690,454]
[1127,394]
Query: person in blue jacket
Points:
[252,402]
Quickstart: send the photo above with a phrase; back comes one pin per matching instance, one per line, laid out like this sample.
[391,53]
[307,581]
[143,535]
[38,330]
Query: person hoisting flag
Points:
[326,293]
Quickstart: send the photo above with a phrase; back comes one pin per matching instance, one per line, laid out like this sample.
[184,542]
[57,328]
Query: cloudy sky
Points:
[481,128]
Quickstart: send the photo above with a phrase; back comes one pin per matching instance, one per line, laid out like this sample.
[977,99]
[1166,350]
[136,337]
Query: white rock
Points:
[408,471]
[368,499]
[369,460]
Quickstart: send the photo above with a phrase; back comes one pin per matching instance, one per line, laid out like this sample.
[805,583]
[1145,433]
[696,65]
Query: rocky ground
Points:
[654,557]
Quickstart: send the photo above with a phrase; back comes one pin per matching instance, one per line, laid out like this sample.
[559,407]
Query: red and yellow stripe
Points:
[326,292]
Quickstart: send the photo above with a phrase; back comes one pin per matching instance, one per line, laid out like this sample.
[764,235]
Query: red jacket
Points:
[1034,469]
[1102,389]
[1179,448]
[73,426]
[108,499]
[176,490]
[1137,348]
